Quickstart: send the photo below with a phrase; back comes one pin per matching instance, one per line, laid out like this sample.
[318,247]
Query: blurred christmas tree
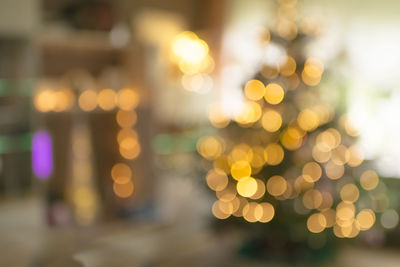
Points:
[287,167]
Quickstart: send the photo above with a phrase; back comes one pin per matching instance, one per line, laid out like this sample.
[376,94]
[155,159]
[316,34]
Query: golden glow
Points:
[44,100]
[340,155]
[217,118]
[246,186]
[321,156]
[217,180]
[88,100]
[301,185]
[316,223]
[260,190]
[330,217]
[241,152]
[274,93]
[240,169]
[121,173]
[308,120]
[356,156]
[289,67]
[276,185]
[210,147]
[64,100]
[291,138]
[312,199]
[254,90]
[334,171]
[228,194]
[312,172]
[123,190]
[273,154]
[221,209]
[268,212]
[369,180]
[327,201]
[127,99]
[125,134]
[252,212]
[106,99]
[271,121]
[129,148]
[287,29]
[365,219]
[126,119]
[312,72]
[188,48]
[349,193]
[250,113]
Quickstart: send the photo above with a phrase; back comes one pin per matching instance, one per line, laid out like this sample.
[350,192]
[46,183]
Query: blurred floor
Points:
[26,241]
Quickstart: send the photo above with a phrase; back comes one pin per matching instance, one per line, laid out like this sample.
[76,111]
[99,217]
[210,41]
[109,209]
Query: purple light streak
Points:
[42,154]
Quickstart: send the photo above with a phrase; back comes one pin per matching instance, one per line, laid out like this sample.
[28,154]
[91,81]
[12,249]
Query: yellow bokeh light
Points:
[241,152]
[126,133]
[349,193]
[327,201]
[260,190]
[312,172]
[126,119]
[321,156]
[291,138]
[64,100]
[276,185]
[334,171]
[365,219]
[123,190]
[217,180]
[268,212]
[219,209]
[88,100]
[210,147]
[308,120]
[121,173]
[127,99]
[228,194]
[252,212]
[289,67]
[312,199]
[129,148]
[188,48]
[274,93]
[106,99]
[369,180]
[247,186]
[254,90]
[330,217]
[287,29]
[312,72]
[273,154]
[356,156]
[316,223]
[250,113]
[271,121]
[217,117]
[340,155]
[301,185]
[44,100]
[240,169]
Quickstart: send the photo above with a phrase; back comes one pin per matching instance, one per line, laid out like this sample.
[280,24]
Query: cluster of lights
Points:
[128,141]
[126,101]
[288,123]
[54,100]
[191,55]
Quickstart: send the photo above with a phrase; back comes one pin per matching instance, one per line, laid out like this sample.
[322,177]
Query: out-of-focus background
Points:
[121,123]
